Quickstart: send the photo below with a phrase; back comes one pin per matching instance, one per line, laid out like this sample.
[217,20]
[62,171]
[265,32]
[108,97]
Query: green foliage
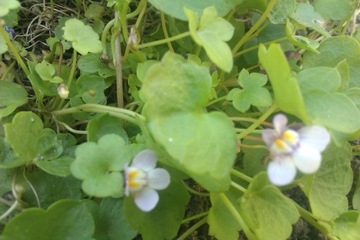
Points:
[12,96]
[6,6]
[83,37]
[252,92]
[211,32]
[39,224]
[99,165]
[261,201]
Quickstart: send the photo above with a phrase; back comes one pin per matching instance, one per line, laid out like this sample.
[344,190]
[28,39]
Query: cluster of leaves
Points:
[195,81]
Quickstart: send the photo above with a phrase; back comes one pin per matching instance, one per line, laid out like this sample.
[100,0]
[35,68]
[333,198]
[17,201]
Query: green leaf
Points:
[347,226]
[91,63]
[23,134]
[221,222]
[6,6]
[164,221]
[306,16]
[34,224]
[48,146]
[58,167]
[84,39]
[267,212]
[3,45]
[174,85]
[328,188]
[100,165]
[94,11]
[324,78]
[91,88]
[334,9]
[287,94]
[192,140]
[334,50]
[354,95]
[112,224]
[252,92]
[330,109]
[49,189]
[45,70]
[281,11]
[175,8]
[45,87]
[12,96]
[105,124]
[8,158]
[212,32]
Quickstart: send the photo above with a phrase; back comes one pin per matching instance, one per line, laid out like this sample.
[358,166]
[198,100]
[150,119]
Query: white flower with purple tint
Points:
[293,149]
[142,179]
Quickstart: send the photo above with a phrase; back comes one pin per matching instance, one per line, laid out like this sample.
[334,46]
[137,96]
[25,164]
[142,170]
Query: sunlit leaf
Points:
[12,95]
[6,6]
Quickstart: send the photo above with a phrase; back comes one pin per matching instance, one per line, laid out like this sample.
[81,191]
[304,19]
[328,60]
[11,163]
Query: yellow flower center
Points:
[286,142]
[136,179]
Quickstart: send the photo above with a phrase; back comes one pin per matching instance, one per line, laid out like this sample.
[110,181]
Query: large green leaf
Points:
[12,95]
[334,9]
[23,134]
[164,221]
[212,32]
[334,50]
[6,6]
[174,85]
[175,8]
[328,188]
[65,219]
[287,93]
[203,145]
[325,78]
[267,212]
[347,226]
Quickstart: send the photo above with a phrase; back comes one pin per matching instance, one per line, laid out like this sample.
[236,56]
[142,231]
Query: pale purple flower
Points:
[142,179]
[293,149]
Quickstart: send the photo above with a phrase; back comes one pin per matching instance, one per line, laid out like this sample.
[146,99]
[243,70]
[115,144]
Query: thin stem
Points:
[104,34]
[166,34]
[164,41]
[97,108]
[9,211]
[199,215]
[237,216]
[257,46]
[196,192]
[118,64]
[238,187]
[70,129]
[247,119]
[258,122]
[216,100]
[255,27]
[253,146]
[241,175]
[192,228]
[141,5]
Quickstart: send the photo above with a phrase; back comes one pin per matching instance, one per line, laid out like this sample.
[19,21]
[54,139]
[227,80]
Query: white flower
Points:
[142,178]
[291,149]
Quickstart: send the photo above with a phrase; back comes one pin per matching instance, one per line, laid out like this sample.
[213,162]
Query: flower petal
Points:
[281,171]
[269,136]
[307,159]
[145,160]
[159,178]
[314,136]
[280,121]
[146,199]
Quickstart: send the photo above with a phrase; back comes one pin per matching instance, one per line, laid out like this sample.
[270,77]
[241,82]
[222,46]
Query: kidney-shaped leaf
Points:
[12,95]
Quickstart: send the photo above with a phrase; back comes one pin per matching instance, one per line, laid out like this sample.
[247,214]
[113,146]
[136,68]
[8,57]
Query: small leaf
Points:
[41,224]
[347,226]
[12,96]
[202,156]
[105,124]
[58,167]
[8,158]
[328,188]
[261,201]
[83,37]
[174,85]
[287,94]
[164,221]
[45,87]
[253,92]
[305,15]
[45,70]
[23,134]
[6,6]
[100,165]
[3,45]
[281,10]
[212,32]
[91,88]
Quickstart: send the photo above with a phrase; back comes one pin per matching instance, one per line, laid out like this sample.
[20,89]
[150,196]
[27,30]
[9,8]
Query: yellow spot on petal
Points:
[290,136]
[133,184]
[280,144]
